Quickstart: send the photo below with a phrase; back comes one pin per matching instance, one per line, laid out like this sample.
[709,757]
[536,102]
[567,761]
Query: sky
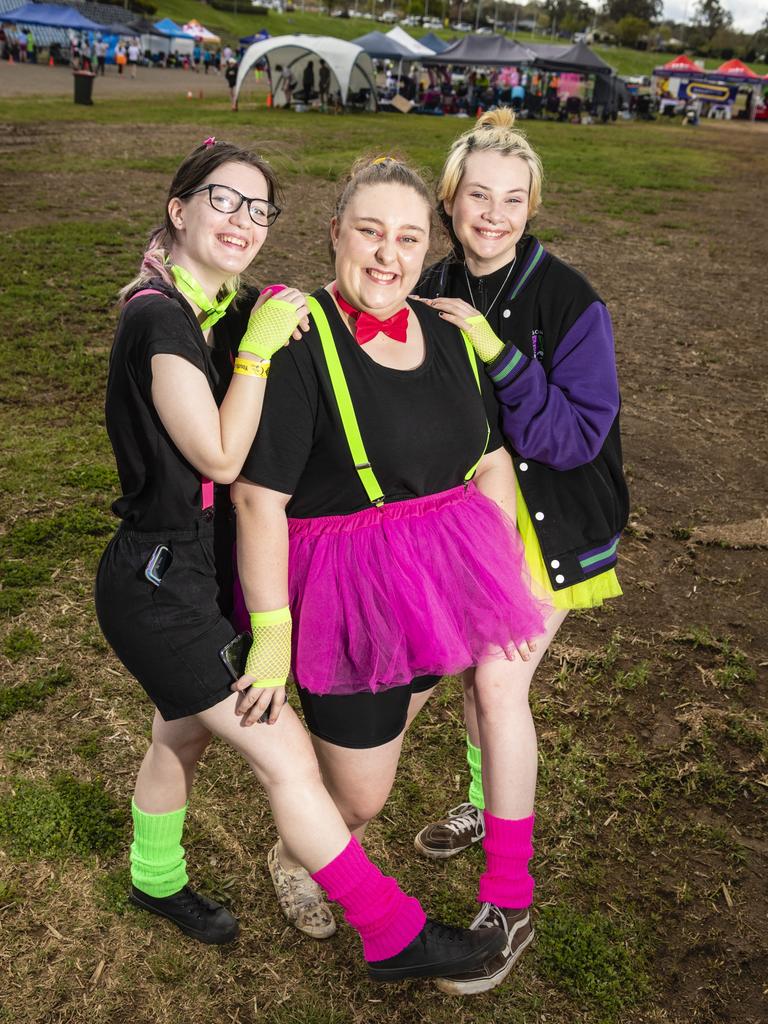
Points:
[748,15]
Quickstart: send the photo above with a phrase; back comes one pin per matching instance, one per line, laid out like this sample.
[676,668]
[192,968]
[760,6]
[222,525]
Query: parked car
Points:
[461,26]
[390,17]
[432,23]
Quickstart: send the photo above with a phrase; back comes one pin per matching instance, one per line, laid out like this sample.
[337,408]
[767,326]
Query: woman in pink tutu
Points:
[376,539]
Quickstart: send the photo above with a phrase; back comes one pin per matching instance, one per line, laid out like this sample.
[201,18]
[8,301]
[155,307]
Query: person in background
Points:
[308,81]
[134,53]
[102,48]
[31,47]
[546,341]
[21,38]
[230,73]
[286,80]
[324,84]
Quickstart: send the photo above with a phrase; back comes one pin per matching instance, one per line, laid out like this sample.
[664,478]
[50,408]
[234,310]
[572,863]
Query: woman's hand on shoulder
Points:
[469,320]
[455,311]
[297,299]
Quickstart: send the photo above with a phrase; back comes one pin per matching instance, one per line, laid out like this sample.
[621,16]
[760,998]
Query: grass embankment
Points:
[635,825]
[232,26]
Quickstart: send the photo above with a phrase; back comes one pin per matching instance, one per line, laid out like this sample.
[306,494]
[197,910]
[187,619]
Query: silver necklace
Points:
[485,312]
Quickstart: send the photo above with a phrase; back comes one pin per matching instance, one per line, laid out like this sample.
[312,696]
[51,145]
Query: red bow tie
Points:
[368,326]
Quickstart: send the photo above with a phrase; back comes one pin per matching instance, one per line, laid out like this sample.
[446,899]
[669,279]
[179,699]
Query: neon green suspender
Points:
[347,409]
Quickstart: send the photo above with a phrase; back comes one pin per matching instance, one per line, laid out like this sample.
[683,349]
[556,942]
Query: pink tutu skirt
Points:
[427,586]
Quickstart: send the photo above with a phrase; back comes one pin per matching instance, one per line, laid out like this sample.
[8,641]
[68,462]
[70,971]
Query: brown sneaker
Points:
[517,925]
[301,899]
[463,826]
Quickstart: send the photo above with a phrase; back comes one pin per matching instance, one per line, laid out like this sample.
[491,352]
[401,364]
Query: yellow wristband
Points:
[251,368]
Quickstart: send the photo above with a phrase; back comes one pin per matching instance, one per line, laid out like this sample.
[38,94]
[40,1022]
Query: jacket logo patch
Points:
[537,345]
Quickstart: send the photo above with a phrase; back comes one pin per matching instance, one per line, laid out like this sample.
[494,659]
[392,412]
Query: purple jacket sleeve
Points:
[561,419]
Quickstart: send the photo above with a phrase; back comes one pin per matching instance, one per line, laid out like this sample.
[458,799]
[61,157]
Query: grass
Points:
[653,740]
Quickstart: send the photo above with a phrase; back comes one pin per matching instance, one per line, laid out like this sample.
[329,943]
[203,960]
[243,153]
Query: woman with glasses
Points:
[184,396]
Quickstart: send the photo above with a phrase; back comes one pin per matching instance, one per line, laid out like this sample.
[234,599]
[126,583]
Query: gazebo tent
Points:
[52,16]
[434,43]
[401,36]
[681,63]
[350,65]
[484,51]
[200,32]
[171,29]
[382,47]
[716,86]
[578,59]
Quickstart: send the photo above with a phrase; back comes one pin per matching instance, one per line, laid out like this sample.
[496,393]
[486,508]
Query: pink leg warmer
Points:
[508,848]
[386,919]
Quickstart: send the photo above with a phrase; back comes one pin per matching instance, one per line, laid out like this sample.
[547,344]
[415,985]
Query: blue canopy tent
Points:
[171,29]
[52,16]
[435,43]
[257,37]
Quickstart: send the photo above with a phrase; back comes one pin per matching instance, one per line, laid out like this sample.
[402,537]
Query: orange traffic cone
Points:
[269,100]
[50,62]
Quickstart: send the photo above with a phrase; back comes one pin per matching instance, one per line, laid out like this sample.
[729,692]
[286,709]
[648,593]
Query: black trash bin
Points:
[84,87]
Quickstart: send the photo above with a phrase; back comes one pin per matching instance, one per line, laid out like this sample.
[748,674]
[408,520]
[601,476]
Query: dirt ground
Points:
[686,290]
[42,80]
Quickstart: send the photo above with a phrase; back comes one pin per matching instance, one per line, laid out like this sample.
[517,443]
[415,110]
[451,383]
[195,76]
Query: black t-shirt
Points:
[161,490]
[423,429]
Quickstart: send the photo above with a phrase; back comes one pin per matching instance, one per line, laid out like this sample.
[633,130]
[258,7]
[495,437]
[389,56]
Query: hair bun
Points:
[500,117]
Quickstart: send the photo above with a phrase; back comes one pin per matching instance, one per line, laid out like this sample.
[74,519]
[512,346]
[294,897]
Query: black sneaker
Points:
[518,929]
[438,950]
[457,831]
[196,915]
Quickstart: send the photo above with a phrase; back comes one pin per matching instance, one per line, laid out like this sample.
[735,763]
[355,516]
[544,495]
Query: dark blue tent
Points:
[484,51]
[435,43]
[257,37]
[52,15]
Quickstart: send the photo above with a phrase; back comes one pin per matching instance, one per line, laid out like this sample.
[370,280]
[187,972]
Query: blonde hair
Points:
[494,132]
[380,170]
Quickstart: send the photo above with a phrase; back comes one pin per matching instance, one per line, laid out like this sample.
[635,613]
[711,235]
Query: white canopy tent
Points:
[417,49]
[351,67]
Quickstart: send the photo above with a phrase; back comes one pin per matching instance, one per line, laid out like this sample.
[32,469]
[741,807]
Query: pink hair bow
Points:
[210,141]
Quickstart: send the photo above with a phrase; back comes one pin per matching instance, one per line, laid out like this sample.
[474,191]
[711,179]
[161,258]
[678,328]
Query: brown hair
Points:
[380,170]
[494,132]
[191,173]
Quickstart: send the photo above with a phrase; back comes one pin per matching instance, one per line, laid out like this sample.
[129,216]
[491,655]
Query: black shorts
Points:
[169,636]
[361,720]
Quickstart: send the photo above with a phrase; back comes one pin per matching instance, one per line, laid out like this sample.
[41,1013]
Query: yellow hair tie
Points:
[383,160]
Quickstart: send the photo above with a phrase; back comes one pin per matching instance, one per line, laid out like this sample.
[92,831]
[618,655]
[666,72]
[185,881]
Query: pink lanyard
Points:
[206,484]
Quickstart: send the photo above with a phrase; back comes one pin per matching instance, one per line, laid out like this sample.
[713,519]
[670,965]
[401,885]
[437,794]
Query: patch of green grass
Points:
[33,695]
[594,958]
[20,641]
[112,889]
[76,531]
[735,671]
[60,818]
[634,677]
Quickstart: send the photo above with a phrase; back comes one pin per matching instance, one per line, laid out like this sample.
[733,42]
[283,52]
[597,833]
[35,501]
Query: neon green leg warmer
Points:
[475,762]
[158,867]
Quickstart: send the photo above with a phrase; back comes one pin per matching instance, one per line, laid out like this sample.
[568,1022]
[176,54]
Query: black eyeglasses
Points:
[229,200]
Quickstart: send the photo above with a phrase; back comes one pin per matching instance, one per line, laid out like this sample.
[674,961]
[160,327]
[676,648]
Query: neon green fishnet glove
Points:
[483,339]
[269,328]
[269,658]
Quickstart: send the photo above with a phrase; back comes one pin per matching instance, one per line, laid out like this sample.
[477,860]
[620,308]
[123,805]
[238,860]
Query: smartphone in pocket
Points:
[158,564]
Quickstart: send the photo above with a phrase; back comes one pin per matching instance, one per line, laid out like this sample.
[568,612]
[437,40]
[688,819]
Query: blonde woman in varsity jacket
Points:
[546,341]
